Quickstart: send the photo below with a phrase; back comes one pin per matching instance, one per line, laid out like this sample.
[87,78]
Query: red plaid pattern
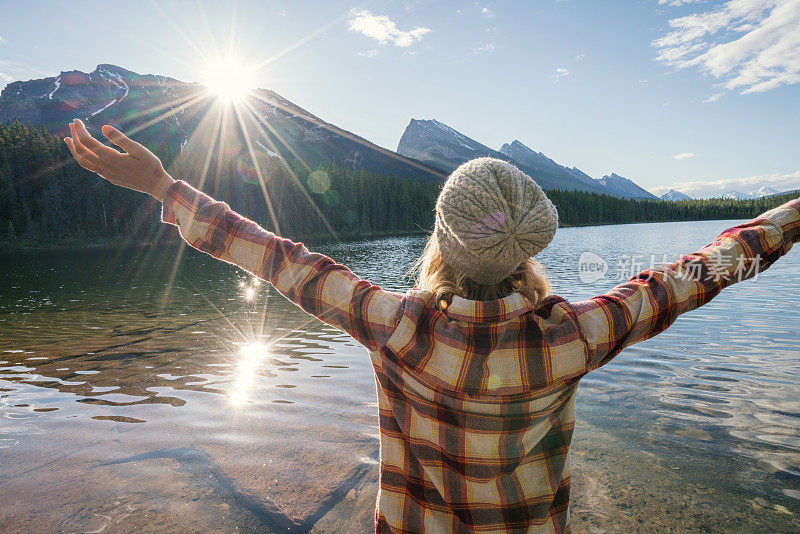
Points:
[477,403]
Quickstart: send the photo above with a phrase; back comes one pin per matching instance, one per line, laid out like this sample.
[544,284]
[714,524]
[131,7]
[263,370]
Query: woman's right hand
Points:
[137,168]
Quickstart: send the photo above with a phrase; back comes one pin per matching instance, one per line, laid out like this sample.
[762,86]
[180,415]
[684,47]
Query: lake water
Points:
[132,403]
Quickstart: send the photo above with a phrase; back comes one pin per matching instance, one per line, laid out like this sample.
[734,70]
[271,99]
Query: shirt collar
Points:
[487,311]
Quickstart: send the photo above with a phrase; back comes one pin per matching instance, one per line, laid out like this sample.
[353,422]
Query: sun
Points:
[228,80]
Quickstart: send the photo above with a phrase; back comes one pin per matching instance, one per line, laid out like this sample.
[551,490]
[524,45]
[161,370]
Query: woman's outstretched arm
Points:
[313,281]
[651,301]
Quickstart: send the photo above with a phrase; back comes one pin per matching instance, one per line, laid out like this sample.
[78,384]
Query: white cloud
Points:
[713,98]
[486,12]
[750,45]
[2,40]
[488,47]
[675,3]
[561,72]
[749,184]
[384,30]
[368,53]
[5,78]
[683,155]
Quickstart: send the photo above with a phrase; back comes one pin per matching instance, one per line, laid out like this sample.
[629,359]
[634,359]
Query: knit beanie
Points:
[490,217]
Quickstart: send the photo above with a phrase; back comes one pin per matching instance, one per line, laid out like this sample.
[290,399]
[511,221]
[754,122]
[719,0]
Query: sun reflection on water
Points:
[249,291]
[252,356]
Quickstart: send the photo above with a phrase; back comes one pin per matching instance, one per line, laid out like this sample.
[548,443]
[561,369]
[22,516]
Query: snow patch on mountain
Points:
[116,80]
[58,84]
[114,101]
[265,149]
[166,87]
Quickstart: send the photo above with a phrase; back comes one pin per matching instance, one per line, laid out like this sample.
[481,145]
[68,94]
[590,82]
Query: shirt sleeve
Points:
[316,283]
[649,302]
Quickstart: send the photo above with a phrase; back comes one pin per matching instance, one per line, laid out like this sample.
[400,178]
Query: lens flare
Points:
[229,80]
[319,182]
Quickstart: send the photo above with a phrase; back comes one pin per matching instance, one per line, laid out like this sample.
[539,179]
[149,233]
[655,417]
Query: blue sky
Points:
[703,94]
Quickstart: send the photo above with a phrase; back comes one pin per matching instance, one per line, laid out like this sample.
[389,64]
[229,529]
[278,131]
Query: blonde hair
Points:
[431,273]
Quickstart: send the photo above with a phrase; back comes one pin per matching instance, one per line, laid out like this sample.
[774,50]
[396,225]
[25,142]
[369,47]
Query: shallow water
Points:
[129,402]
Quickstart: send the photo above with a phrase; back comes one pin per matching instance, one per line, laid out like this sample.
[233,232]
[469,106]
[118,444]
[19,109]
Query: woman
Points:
[477,367]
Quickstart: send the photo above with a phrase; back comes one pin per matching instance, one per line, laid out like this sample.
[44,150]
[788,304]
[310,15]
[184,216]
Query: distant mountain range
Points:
[734,194]
[445,148]
[762,192]
[275,126]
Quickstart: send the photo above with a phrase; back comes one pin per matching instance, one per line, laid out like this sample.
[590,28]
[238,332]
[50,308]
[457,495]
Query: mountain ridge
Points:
[444,147]
[625,187]
[537,160]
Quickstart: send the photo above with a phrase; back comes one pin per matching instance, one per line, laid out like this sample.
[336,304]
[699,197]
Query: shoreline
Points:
[23,247]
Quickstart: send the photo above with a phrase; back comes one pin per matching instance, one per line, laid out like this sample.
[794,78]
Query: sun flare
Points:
[228,80]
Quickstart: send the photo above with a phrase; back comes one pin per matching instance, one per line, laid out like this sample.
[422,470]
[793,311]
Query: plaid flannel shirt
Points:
[477,403]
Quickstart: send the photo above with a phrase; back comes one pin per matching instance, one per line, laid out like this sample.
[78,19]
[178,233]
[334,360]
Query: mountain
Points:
[766,191]
[623,187]
[736,195]
[745,190]
[675,196]
[163,110]
[613,184]
[440,145]
[538,161]
[445,148]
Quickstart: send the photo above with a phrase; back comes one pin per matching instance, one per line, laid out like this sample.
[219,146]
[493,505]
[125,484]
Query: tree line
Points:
[47,200]
[578,208]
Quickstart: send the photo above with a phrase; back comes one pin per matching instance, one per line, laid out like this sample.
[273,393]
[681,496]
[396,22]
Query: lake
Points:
[135,395]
